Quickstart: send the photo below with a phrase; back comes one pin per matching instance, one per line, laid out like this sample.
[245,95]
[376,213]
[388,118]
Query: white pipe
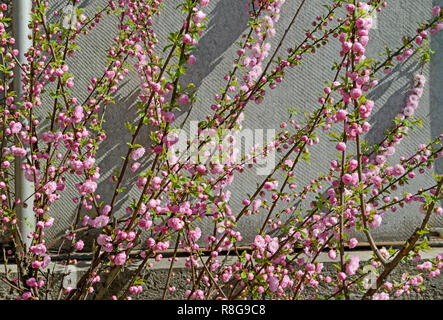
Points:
[21,16]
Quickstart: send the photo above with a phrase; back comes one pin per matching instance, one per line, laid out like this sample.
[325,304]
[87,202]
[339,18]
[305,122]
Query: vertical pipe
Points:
[21,16]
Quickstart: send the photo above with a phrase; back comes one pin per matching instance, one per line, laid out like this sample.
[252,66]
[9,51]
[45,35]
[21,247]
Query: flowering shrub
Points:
[187,182]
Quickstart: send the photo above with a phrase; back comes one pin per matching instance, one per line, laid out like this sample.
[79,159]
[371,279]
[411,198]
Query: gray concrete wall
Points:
[301,87]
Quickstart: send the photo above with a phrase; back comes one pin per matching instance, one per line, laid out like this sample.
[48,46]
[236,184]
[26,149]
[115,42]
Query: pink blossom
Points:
[227,274]
[353,243]
[38,249]
[100,222]
[273,246]
[360,23]
[169,116]
[156,181]
[341,146]
[158,149]
[408,111]
[421,79]
[273,284]
[347,179]
[380,159]
[381,296]
[49,222]
[198,17]
[350,7]
[217,169]
[135,166]
[183,99]
[310,267]
[356,93]
[18,152]
[26,295]
[342,276]
[137,153]
[357,47]
[204,3]
[88,163]
[77,165]
[103,239]
[120,258]
[15,127]
[187,39]
[176,223]
[399,170]
[201,169]
[332,254]
[259,241]
[79,245]
[70,83]
[376,222]
[425,266]
[256,204]
[78,114]
[50,187]
[341,115]
[88,187]
[270,185]
[191,60]
[434,273]
[413,99]
[195,234]
[376,181]
[31,282]
[352,266]
[46,261]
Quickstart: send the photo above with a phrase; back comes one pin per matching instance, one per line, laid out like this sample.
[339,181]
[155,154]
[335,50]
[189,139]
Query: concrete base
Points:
[155,279]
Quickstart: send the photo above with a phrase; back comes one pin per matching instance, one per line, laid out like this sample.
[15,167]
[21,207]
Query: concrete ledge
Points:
[155,277]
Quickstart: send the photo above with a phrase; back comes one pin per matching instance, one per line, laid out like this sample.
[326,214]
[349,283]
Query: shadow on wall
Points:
[383,119]
[227,22]
[114,147]
[218,37]
[82,5]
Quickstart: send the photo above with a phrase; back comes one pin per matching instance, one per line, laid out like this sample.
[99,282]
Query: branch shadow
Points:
[383,119]
[227,22]
[208,53]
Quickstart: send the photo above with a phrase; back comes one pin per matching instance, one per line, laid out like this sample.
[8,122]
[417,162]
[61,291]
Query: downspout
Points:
[24,189]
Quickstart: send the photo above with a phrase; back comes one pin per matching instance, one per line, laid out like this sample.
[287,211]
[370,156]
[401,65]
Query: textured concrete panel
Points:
[155,279]
[215,53]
